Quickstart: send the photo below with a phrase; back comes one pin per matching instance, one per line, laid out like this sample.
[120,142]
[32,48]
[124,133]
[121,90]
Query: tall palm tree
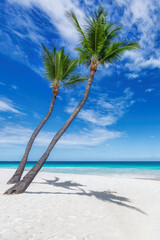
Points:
[98,45]
[58,68]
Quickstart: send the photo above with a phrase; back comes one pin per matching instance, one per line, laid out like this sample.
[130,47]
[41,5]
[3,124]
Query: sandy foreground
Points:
[70,207]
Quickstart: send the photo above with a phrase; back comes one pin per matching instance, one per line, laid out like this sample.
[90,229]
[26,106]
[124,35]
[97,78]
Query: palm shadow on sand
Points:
[104,196]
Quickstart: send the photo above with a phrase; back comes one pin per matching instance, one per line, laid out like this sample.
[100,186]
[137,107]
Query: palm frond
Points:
[98,40]
[84,56]
[60,63]
[96,29]
[48,63]
[73,19]
[99,13]
[114,52]
[58,66]
[70,68]
[75,80]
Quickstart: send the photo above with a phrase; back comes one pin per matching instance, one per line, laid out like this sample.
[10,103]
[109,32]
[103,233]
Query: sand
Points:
[83,207]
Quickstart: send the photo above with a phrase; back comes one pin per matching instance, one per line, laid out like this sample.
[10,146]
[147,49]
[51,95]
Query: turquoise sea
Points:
[140,169]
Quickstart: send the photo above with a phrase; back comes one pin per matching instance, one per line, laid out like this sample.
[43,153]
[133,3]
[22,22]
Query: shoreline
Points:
[131,173]
[72,206]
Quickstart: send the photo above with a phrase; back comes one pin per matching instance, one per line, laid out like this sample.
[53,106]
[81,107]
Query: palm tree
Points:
[98,45]
[58,68]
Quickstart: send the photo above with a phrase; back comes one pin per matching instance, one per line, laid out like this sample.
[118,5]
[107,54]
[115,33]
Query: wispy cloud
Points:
[14,87]
[105,112]
[141,18]
[26,30]
[132,75]
[2,119]
[149,90]
[7,105]
[18,135]
[151,62]
[94,117]
[152,136]
[56,12]
[12,49]
[36,115]
[119,105]
[2,84]
[137,61]
[139,21]
[87,138]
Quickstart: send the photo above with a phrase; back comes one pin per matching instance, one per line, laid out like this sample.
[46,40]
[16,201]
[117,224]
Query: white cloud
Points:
[152,136]
[89,115]
[22,25]
[93,116]
[6,105]
[132,75]
[108,105]
[21,30]
[16,52]
[2,119]
[138,17]
[93,137]
[151,62]
[59,97]
[128,93]
[137,61]
[11,49]
[105,113]
[36,115]
[56,11]
[119,105]
[141,19]
[12,135]
[88,2]
[14,87]
[139,80]
[30,33]
[149,90]
[2,84]
[18,135]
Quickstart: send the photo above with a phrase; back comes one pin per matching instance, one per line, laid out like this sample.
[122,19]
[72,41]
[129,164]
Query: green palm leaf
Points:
[75,80]
[98,39]
[71,67]
[73,19]
[59,68]
[48,62]
[114,52]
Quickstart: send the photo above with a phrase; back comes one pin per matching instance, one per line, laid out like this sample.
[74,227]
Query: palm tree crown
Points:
[97,40]
[59,68]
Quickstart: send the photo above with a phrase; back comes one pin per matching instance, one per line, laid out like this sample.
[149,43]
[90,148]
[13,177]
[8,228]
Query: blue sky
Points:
[121,119]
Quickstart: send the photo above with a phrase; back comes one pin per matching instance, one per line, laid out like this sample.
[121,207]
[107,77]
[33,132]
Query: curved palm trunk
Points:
[21,186]
[17,175]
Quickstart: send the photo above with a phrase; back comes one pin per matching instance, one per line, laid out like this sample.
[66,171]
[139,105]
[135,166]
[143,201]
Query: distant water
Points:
[138,169]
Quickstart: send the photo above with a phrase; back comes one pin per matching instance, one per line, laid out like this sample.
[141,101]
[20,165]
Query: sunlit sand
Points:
[68,206]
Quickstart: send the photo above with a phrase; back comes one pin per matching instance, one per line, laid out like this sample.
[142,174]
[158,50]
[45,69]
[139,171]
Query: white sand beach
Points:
[82,207]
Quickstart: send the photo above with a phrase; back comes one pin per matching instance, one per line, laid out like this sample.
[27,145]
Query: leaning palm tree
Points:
[98,45]
[58,68]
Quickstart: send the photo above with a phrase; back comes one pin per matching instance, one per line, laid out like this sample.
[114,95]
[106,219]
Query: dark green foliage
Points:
[59,67]
[97,40]
[75,80]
